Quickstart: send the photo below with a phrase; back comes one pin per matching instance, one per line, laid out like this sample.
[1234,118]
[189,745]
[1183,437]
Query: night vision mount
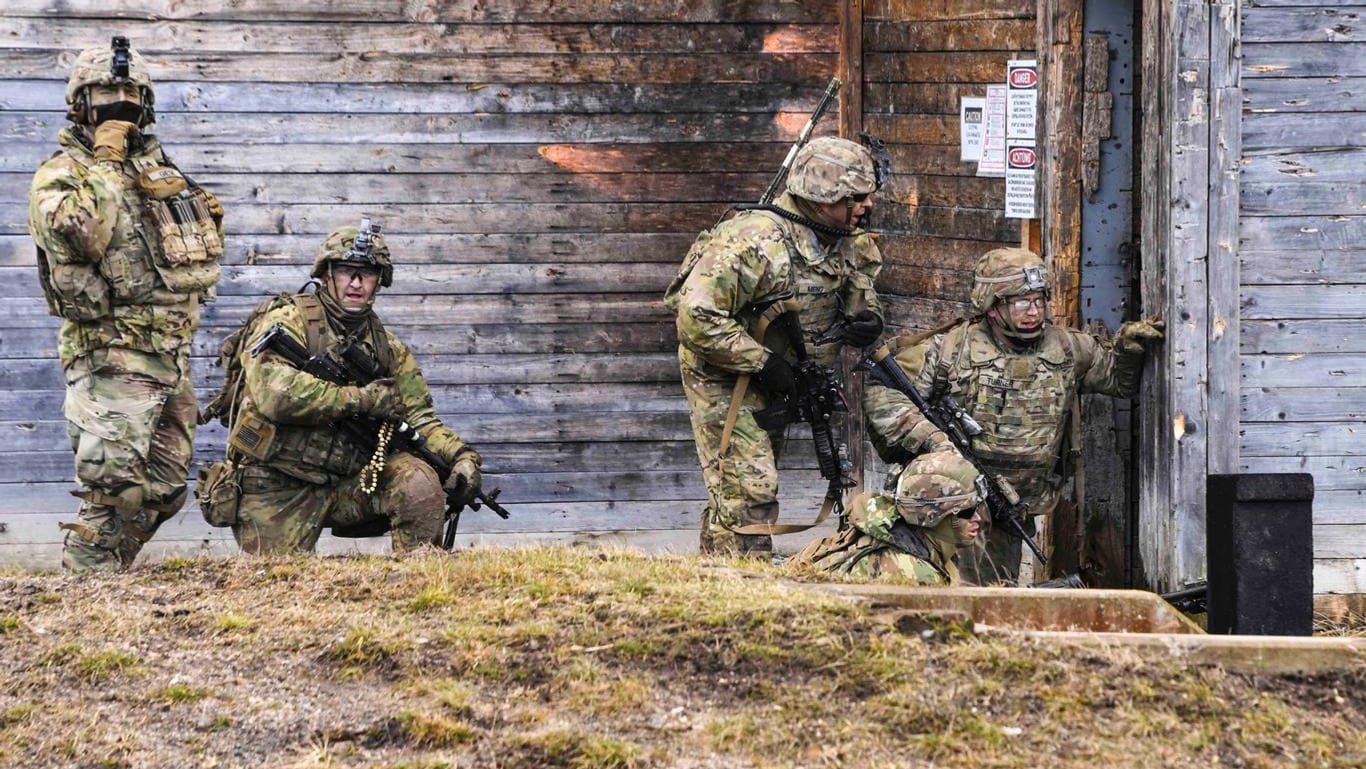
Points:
[365,240]
[119,66]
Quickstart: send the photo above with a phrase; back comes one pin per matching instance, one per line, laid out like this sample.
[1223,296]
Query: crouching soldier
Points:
[291,469]
[913,535]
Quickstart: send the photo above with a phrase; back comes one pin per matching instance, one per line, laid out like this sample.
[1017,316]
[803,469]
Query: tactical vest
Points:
[1022,400]
[164,250]
[318,454]
[815,284]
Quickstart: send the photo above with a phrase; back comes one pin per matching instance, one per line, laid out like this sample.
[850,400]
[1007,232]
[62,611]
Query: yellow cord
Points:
[369,475]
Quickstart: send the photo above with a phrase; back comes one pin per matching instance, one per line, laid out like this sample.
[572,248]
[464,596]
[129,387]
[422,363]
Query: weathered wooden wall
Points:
[541,167]
[919,58]
[1302,259]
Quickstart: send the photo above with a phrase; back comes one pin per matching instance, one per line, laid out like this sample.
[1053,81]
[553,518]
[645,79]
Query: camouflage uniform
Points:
[1021,395]
[730,274]
[304,475]
[910,535]
[127,252]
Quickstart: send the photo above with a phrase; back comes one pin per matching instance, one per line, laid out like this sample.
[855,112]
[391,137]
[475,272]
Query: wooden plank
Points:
[935,252]
[604,35]
[1015,35]
[1284,439]
[1301,233]
[1321,167]
[1263,131]
[921,313]
[1303,336]
[943,222]
[1330,473]
[402,311]
[937,159]
[1307,25]
[1301,370]
[265,280]
[456,338]
[938,67]
[1303,267]
[286,129]
[418,66]
[1340,575]
[1060,45]
[446,248]
[50,434]
[917,98]
[1297,301]
[1301,196]
[938,10]
[455,218]
[1340,541]
[1303,60]
[954,285]
[462,188]
[1226,203]
[1303,404]
[1325,94]
[944,191]
[849,70]
[556,157]
[436,11]
[175,97]
[914,129]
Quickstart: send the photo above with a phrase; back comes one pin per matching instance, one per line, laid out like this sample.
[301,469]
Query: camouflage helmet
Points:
[1005,272]
[95,67]
[830,169]
[342,247]
[936,485]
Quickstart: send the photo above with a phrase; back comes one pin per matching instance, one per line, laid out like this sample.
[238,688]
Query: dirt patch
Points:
[577,658]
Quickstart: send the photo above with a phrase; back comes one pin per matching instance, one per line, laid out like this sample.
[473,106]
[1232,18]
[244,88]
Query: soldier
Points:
[807,247]
[128,249]
[913,535]
[290,471]
[1018,376]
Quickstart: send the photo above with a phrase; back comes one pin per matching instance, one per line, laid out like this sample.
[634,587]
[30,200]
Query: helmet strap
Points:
[1004,330]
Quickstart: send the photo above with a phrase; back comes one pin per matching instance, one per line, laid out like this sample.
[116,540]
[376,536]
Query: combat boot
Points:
[92,539]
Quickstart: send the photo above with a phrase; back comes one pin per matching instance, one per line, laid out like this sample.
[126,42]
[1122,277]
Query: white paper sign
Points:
[1022,165]
[971,121]
[1022,78]
[993,162]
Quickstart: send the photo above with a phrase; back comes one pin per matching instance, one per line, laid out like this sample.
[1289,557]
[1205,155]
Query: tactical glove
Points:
[380,399]
[864,328]
[111,140]
[465,481]
[775,378]
[925,437]
[1134,337]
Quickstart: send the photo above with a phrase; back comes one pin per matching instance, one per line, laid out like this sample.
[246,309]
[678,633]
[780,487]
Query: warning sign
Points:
[1022,166]
[993,162]
[1022,80]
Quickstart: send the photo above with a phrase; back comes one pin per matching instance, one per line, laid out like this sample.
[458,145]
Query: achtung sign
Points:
[1022,170]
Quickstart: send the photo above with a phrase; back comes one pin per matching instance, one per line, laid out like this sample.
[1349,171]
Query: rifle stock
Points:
[955,423]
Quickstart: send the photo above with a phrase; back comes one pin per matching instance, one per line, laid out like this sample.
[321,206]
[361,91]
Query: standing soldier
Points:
[1017,375]
[291,470]
[808,248]
[128,248]
[912,535]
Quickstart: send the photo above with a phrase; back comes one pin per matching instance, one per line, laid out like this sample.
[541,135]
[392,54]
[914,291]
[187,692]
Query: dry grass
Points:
[586,659]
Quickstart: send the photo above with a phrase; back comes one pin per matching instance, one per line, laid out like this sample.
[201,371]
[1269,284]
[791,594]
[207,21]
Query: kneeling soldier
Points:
[912,536]
[291,470]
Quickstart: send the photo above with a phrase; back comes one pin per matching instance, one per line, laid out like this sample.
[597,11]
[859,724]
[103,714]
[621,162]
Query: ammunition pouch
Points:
[74,290]
[219,493]
[190,246]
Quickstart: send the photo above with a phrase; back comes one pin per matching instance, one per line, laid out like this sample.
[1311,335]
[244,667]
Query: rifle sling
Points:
[833,493]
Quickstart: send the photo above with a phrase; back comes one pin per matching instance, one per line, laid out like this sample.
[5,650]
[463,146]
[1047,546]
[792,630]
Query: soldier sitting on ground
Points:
[291,472]
[912,535]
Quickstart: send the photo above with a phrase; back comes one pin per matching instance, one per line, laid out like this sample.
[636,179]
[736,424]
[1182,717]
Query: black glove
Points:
[775,378]
[863,329]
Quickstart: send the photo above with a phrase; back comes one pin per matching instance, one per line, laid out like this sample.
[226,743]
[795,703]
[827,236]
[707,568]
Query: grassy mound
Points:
[578,658]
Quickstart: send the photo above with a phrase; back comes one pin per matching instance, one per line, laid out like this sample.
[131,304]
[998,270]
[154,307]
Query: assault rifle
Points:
[831,91]
[356,367]
[816,397]
[947,415]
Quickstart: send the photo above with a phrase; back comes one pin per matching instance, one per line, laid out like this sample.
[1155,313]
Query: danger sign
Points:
[1022,104]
